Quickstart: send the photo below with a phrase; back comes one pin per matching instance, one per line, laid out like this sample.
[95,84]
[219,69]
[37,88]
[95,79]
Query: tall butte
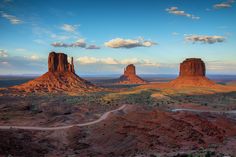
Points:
[60,77]
[192,73]
[130,77]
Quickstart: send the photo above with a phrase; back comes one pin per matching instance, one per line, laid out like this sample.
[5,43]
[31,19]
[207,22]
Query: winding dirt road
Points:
[103,117]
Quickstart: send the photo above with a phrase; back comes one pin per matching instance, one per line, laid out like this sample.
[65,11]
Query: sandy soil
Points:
[146,127]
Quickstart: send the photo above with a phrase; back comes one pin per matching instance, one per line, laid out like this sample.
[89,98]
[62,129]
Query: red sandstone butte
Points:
[60,77]
[192,73]
[58,62]
[130,77]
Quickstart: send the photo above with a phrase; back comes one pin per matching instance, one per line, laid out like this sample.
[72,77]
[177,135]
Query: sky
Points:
[105,36]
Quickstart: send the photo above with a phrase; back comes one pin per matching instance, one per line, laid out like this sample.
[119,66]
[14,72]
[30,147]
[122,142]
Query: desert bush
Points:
[142,98]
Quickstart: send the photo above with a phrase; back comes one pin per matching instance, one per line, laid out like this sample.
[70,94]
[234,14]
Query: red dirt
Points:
[157,132]
[199,81]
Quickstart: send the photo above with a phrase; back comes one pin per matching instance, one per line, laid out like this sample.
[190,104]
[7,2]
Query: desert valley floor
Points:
[145,120]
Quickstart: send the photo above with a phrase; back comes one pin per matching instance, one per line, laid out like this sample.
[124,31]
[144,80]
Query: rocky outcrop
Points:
[192,73]
[130,77]
[130,70]
[192,67]
[60,77]
[58,62]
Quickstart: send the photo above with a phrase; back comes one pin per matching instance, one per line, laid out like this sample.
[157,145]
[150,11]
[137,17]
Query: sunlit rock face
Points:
[192,67]
[58,62]
[129,70]
[192,72]
[61,77]
[130,77]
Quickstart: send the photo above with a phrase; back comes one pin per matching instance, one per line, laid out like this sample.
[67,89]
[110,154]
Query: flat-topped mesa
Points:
[192,67]
[192,73]
[58,62]
[130,77]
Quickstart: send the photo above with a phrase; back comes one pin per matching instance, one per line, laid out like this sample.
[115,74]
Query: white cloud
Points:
[3,53]
[220,66]
[129,43]
[4,63]
[13,19]
[222,5]
[60,37]
[205,39]
[86,60]
[79,43]
[175,33]
[142,62]
[32,57]
[112,61]
[109,61]
[39,41]
[176,11]
[23,64]
[41,32]
[20,49]
[69,28]
[93,47]
[61,44]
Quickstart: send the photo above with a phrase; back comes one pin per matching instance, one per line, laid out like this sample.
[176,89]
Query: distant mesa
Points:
[192,73]
[130,77]
[60,77]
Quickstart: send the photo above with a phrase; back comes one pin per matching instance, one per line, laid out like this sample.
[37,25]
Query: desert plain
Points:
[61,114]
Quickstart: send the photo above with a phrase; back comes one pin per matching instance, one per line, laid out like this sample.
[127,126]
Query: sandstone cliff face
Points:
[60,77]
[130,70]
[192,67]
[57,62]
[192,73]
[130,77]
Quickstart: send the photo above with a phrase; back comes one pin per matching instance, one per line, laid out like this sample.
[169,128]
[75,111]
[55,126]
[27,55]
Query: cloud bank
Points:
[30,64]
[112,61]
[79,43]
[176,11]
[129,43]
[205,39]
[12,19]
[3,53]
[224,5]
[93,47]
[69,28]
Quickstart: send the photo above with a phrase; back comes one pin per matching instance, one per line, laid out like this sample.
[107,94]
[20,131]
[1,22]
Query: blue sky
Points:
[104,36]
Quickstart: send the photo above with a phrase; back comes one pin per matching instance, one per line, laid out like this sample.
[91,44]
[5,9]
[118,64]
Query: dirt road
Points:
[103,117]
